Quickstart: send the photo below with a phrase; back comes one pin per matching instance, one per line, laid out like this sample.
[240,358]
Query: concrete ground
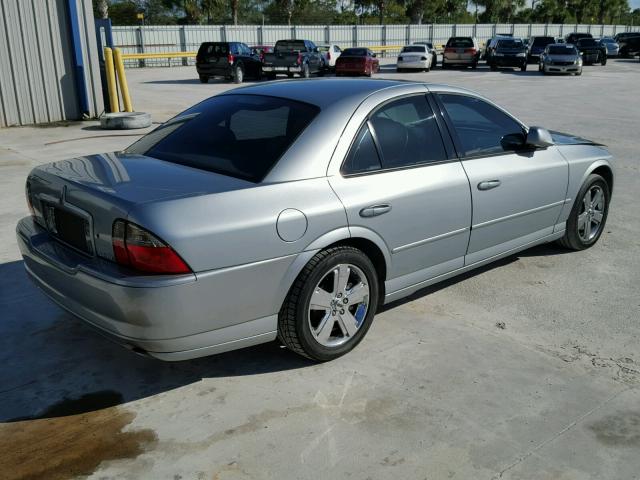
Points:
[436,390]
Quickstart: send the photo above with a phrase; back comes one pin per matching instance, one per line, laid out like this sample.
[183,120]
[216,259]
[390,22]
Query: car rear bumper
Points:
[279,69]
[350,70]
[167,317]
[418,64]
[459,61]
[204,69]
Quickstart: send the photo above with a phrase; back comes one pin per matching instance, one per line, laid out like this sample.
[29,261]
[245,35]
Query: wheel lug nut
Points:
[333,313]
[345,300]
[341,312]
[339,295]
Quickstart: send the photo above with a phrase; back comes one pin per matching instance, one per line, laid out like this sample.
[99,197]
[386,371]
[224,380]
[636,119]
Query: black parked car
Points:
[293,56]
[592,51]
[536,47]
[575,36]
[230,60]
[629,46]
[509,52]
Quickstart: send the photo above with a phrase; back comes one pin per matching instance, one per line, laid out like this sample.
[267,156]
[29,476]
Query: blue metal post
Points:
[78,61]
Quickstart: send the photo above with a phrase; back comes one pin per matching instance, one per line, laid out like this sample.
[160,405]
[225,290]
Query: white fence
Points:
[175,38]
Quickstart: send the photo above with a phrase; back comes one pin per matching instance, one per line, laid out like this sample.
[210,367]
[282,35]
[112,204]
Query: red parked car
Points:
[357,61]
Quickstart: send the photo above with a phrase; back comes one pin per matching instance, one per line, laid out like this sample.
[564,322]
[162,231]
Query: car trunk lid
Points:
[78,200]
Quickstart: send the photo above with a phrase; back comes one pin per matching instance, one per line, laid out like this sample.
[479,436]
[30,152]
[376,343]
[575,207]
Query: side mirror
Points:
[374,55]
[316,50]
[513,141]
[539,137]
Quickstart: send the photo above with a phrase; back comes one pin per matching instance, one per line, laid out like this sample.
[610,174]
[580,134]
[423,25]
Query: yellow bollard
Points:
[122,80]
[114,105]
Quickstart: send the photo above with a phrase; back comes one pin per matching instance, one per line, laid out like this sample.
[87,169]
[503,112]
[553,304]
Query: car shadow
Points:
[196,81]
[48,356]
[543,250]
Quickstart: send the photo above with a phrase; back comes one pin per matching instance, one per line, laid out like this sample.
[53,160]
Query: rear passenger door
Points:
[401,182]
[517,194]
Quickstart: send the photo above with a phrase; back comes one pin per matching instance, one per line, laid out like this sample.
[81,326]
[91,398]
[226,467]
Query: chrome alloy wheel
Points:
[591,213]
[338,305]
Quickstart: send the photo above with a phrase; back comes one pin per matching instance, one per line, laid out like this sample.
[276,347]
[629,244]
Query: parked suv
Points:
[509,52]
[461,51]
[230,60]
[629,45]
[575,36]
[592,51]
[294,56]
[537,46]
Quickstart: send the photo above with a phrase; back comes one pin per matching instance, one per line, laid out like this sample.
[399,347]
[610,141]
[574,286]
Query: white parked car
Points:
[414,57]
[330,53]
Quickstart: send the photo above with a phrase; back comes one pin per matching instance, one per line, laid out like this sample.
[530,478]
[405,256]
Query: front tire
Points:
[603,62]
[306,73]
[331,305]
[204,79]
[588,215]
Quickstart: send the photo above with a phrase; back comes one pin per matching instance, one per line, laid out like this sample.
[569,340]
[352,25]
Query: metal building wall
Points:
[38,82]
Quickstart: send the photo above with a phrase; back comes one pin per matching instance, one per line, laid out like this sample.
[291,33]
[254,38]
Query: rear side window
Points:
[399,134]
[363,156]
[460,42]
[237,135]
[478,125]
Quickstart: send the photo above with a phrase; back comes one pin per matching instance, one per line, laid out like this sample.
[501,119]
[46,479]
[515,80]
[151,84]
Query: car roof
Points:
[321,92]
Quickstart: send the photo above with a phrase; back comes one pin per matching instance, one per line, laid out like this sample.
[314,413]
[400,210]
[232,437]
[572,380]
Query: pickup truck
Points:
[293,56]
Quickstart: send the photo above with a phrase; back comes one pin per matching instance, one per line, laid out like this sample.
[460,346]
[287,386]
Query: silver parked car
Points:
[613,49]
[560,58]
[295,209]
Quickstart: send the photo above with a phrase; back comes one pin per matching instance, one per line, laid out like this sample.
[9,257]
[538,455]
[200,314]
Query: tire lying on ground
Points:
[125,120]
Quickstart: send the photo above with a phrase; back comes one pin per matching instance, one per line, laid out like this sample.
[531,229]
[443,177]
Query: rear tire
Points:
[300,326]
[238,74]
[523,68]
[306,73]
[493,67]
[603,62]
[204,79]
[587,210]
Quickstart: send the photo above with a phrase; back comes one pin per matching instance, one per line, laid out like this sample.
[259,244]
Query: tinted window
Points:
[354,52]
[542,41]
[290,46]
[460,42]
[562,50]
[407,133]
[214,49]
[414,49]
[510,44]
[238,135]
[587,42]
[479,126]
[363,156]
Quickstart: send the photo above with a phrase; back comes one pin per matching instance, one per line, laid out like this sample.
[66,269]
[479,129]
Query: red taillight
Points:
[328,55]
[262,56]
[299,60]
[450,50]
[230,58]
[135,247]
[470,50]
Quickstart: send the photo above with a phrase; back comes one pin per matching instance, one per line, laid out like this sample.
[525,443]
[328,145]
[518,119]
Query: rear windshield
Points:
[354,52]
[214,49]
[416,48]
[290,46]
[587,42]
[542,41]
[510,44]
[562,50]
[608,40]
[241,136]
[460,42]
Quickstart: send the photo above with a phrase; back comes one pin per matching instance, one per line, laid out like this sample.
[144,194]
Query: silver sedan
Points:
[294,209]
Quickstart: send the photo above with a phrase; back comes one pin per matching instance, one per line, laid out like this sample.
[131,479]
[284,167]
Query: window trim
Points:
[454,134]
[451,156]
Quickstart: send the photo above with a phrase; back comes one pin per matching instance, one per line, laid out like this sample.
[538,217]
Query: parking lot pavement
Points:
[436,390]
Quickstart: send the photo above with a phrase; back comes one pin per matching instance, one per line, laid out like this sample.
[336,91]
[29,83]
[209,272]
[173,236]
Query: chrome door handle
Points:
[489,184]
[375,210]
